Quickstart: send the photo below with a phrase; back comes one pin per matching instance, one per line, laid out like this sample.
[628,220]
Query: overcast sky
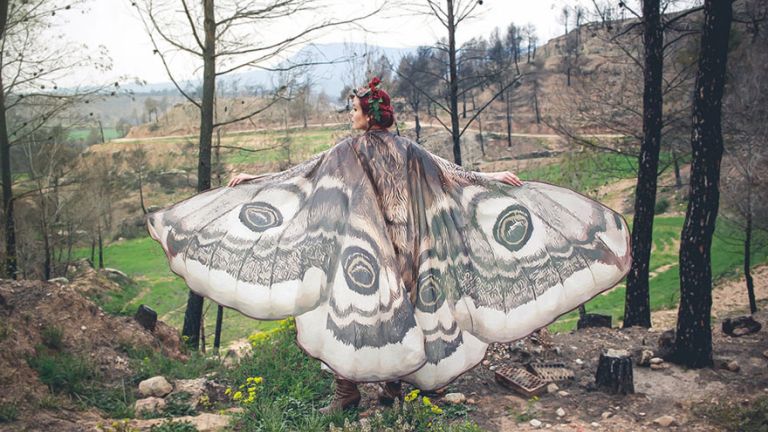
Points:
[115,24]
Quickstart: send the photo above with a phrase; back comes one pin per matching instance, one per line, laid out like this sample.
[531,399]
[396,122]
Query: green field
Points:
[156,286]
[81,134]
[297,145]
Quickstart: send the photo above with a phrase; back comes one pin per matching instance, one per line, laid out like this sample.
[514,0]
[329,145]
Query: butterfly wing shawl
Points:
[498,262]
[308,242]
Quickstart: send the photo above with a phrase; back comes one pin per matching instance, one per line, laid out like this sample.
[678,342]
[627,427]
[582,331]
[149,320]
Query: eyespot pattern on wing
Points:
[260,216]
[361,270]
[513,227]
[431,295]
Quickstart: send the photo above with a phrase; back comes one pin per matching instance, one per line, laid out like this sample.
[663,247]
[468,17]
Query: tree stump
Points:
[614,372]
[594,320]
[146,317]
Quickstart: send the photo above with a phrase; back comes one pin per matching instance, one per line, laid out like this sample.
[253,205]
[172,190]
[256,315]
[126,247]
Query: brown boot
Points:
[345,396]
[390,391]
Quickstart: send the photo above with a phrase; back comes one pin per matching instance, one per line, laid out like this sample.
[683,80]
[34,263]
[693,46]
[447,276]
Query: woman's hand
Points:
[505,177]
[236,180]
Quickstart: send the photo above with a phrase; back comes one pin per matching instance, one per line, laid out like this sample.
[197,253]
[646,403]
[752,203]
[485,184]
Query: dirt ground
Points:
[27,307]
[673,391]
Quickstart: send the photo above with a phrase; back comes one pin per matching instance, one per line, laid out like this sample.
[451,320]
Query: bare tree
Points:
[34,58]
[415,78]
[451,14]
[744,184]
[693,336]
[222,37]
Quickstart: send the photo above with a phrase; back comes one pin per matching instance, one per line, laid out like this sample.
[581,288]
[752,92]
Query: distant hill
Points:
[329,77]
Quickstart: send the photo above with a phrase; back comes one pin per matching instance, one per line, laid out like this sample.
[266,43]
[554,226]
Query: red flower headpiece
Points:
[376,98]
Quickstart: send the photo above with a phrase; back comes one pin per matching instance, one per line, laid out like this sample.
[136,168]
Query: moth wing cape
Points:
[492,262]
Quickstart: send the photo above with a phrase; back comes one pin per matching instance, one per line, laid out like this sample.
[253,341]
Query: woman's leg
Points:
[346,395]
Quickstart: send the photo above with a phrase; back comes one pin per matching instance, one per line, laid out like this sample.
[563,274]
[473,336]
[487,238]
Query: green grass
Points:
[156,286]
[81,134]
[665,284]
[294,388]
[301,144]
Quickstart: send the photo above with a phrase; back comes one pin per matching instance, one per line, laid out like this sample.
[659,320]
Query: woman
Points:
[396,263]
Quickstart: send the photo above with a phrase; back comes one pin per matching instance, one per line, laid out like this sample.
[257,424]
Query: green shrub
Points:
[62,372]
[52,337]
[662,205]
[8,412]
[736,418]
[174,426]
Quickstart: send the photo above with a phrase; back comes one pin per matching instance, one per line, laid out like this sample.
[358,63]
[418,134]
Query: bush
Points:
[8,412]
[734,418]
[662,205]
[52,337]
[62,372]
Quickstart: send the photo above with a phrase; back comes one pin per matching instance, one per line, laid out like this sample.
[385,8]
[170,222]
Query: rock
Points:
[147,317]
[552,387]
[656,360]
[204,422]
[59,280]
[606,415]
[560,412]
[116,276]
[594,320]
[665,421]
[563,393]
[486,363]
[455,398]
[155,386]
[579,361]
[150,405]
[195,388]
[471,401]
[765,354]
[659,366]
[535,423]
[644,358]
[733,366]
[595,424]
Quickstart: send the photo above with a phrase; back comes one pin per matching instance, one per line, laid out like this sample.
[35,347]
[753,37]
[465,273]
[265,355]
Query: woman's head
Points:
[371,107]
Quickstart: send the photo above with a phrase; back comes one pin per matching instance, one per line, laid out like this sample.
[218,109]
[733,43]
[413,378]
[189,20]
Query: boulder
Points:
[150,405]
[156,386]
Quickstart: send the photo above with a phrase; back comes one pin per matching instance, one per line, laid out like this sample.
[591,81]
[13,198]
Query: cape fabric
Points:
[396,263]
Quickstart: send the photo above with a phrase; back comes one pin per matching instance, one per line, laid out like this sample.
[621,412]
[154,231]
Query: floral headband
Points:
[375,97]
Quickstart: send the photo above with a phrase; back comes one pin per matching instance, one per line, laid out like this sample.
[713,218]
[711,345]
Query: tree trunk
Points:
[509,121]
[536,101]
[101,250]
[614,372]
[678,178]
[5,168]
[418,126]
[637,310]
[693,341]
[194,312]
[480,134]
[217,331]
[747,255]
[454,85]
[141,195]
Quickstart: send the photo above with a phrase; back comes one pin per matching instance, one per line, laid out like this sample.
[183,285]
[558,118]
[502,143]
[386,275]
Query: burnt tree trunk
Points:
[747,255]
[194,311]
[693,341]
[454,84]
[637,310]
[614,372]
[509,121]
[5,167]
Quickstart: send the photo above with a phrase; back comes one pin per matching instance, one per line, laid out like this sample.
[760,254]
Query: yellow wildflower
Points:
[258,380]
[426,401]
[238,396]
[436,409]
[249,380]
[228,390]
[412,395]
